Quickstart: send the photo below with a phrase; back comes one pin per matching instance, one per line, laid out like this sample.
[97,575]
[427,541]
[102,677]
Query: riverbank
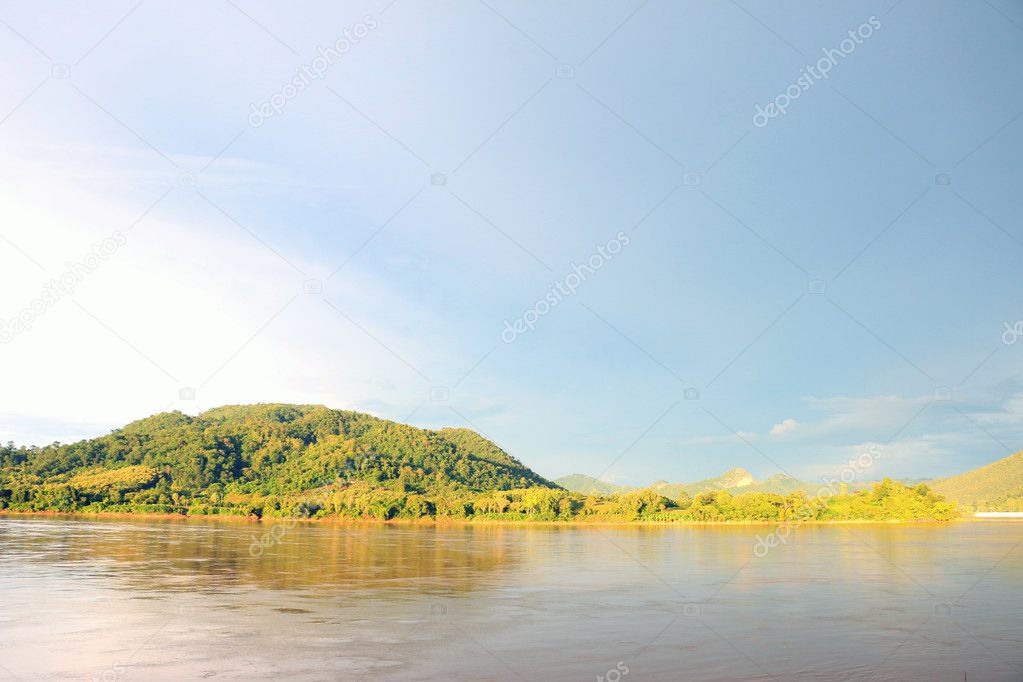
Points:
[594,521]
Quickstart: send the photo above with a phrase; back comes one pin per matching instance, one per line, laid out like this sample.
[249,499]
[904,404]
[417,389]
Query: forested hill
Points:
[311,461]
[993,487]
[267,449]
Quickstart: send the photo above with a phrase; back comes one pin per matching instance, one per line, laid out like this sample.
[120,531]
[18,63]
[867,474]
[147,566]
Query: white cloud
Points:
[784,427]
[190,300]
[926,437]
[738,437]
[838,419]
[876,416]
[1009,412]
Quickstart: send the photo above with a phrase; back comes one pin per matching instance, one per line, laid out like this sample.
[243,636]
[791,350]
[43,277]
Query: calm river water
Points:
[173,600]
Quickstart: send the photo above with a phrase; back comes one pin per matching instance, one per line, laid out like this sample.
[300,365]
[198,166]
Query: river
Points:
[120,600]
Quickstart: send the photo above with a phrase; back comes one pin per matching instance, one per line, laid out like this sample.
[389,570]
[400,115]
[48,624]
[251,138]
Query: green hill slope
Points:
[996,487]
[274,460]
[250,451]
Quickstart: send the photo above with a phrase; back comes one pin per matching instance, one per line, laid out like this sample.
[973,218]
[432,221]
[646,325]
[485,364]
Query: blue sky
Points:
[838,278]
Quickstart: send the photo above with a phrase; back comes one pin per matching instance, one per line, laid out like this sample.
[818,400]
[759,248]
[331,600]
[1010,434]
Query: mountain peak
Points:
[736,478]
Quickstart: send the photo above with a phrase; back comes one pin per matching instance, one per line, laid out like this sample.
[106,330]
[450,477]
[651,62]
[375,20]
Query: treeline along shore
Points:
[311,462]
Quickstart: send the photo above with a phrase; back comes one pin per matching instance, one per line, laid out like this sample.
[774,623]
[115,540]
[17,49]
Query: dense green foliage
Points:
[887,500]
[311,461]
[230,457]
[891,500]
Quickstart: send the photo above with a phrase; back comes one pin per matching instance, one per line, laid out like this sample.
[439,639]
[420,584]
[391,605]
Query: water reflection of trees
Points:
[208,555]
[198,555]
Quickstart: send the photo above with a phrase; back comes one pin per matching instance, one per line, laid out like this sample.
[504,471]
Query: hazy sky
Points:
[842,274]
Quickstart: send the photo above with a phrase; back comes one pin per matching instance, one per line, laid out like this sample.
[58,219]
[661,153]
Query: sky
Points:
[638,240]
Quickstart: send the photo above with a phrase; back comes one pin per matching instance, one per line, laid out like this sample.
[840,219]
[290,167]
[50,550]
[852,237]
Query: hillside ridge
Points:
[311,461]
[997,486]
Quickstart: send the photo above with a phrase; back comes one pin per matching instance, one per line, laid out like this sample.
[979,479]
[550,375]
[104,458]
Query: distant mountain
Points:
[736,480]
[910,482]
[733,478]
[587,485]
[997,486]
[783,484]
